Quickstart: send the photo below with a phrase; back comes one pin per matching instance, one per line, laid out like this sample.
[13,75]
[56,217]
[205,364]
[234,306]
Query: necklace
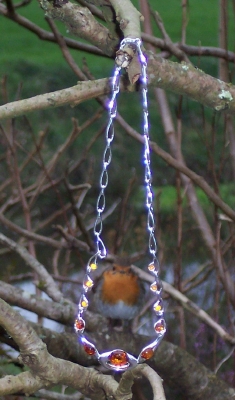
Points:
[118,359]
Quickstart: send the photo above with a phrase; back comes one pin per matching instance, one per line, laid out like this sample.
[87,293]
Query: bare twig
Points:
[226,358]
[33,236]
[47,283]
[62,43]
[178,165]
[169,45]
[189,305]
[73,241]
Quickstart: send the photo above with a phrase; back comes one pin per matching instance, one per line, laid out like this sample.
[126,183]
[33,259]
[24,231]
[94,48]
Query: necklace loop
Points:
[118,359]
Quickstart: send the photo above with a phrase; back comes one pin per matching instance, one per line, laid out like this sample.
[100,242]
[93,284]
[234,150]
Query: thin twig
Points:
[224,360]
[188,304]
[48,284]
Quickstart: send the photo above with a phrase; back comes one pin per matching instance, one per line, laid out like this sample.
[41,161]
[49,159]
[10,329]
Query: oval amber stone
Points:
[79,324]
[118,358]
[93,266]
[147,353]
[89,349]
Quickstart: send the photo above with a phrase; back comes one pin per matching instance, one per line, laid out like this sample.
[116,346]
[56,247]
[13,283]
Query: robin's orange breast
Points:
[119,293]
[120,284]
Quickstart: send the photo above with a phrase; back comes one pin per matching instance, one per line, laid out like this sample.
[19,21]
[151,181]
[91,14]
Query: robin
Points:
[119,292]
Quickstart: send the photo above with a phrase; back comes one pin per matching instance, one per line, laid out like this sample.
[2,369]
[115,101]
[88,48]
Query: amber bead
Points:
[84,302]
[79,324]
[147,353]
[160,326]
[93,266]
[118,358]
[88,283]
[89,349]
[158,307]
[154,287]
[151,267]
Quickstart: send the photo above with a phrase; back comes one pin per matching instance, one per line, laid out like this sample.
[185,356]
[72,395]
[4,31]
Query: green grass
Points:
[202,25]
[19,45]
[168,198]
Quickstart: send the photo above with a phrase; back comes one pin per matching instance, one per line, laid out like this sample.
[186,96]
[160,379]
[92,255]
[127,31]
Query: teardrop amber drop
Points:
[89,349]
[147,353]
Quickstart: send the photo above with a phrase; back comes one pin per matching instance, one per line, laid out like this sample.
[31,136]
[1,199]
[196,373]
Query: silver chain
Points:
[107,156]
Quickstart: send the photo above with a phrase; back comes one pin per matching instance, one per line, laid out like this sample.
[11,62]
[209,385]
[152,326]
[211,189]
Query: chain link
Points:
[148,173]
[152,244]
[107,157]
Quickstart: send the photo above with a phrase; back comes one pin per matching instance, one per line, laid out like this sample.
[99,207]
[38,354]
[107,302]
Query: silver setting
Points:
[104,359]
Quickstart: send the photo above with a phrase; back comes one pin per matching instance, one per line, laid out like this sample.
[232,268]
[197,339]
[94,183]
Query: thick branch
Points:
[63,312]
[25,382]
[178,78]
[128,17]
[187,80]
[128,378]
[175,365]
[81,22]
[48,369]
[72,96]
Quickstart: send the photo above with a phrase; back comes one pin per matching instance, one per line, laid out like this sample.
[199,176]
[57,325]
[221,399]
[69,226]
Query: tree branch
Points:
[176,366]
[128,17]
[80,21]
[46,369]
[72,96]
[178,78]
[128,378]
